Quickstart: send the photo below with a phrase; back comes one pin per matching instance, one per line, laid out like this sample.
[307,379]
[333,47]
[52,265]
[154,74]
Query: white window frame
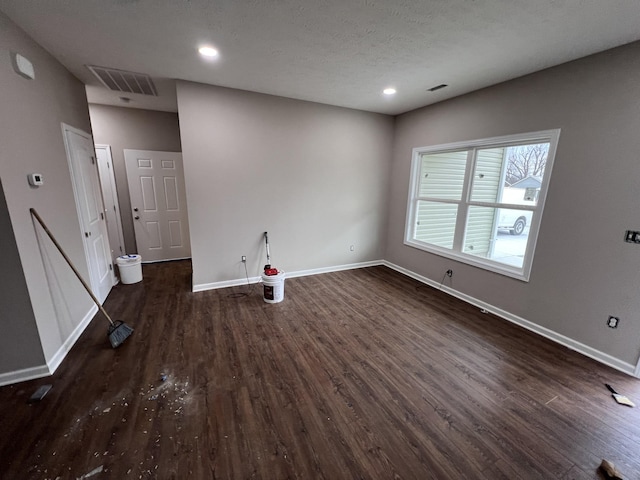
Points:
[456,253]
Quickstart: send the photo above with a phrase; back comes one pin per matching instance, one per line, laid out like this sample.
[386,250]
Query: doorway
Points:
[110,198]
[87,193]
[158,204]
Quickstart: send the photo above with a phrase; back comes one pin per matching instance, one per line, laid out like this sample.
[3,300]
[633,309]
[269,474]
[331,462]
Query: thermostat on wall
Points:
[35,179]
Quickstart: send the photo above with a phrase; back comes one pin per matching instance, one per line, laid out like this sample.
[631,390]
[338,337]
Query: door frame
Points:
[111,179]
[87,251]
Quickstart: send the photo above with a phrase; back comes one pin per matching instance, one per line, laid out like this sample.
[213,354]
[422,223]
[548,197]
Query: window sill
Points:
[495,267]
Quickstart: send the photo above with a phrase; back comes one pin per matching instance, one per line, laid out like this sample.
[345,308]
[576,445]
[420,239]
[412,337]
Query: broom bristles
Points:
[118,333]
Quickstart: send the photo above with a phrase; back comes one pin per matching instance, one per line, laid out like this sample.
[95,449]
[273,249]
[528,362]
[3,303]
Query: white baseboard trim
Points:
[23,375]
[299,273]
[335,268]
[586,350]
[54,362]
[201,287]
[145,262]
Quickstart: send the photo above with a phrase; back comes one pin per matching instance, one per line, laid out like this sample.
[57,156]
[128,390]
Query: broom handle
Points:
[68,260]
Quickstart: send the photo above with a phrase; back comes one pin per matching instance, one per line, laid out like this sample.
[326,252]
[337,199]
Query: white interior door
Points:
[159,204]
[110,200]
[88,196]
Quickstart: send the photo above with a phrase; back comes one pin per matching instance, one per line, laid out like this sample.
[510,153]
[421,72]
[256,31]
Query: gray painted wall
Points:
[582,271]
[313,176]
[19,343]
[131,128]
[31,141]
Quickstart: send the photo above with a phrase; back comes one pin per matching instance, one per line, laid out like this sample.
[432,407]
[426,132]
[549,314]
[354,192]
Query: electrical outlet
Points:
[244,259]
[632,236]
[612,322]
[449,273]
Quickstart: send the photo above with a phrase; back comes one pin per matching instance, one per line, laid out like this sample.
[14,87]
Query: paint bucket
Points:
[273,287]
[130,268]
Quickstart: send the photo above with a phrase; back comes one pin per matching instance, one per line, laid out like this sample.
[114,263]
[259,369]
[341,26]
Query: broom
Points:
[118,331]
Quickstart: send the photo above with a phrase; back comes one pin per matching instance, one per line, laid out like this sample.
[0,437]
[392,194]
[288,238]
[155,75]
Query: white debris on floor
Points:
[174,393]
[93,472]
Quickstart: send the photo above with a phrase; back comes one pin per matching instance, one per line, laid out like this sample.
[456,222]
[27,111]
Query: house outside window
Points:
[481,202]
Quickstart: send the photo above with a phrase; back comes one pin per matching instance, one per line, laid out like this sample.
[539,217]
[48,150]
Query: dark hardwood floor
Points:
[362,374]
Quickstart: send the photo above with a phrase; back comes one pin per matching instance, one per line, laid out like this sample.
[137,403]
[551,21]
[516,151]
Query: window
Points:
[481,202]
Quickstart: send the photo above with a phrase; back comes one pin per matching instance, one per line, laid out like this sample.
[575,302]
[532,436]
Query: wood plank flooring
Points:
[362,374]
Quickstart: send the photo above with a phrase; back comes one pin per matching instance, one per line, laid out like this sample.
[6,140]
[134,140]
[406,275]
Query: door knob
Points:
[137,217]
[135,209]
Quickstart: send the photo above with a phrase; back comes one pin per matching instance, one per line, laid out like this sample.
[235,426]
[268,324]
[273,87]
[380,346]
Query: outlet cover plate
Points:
[632,236]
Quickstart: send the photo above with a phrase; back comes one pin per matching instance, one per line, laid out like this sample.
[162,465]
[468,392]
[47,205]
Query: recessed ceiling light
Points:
[389,91]
[208,52]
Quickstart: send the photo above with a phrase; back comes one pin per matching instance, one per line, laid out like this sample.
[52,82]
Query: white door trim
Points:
[109,176]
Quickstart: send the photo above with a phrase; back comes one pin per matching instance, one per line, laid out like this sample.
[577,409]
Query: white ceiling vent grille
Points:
[123,81]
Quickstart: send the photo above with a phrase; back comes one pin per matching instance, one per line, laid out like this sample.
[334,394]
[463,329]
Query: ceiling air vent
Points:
[437,87]
[123,81]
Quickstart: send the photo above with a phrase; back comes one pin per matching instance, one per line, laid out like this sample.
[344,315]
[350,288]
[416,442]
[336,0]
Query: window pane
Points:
[498,234]
[480,231]
[525,169]
[442,175]
[509,174]
[487,177]
[436,223]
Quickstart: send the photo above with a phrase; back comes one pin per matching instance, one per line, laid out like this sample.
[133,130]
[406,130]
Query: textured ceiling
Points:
[338,52]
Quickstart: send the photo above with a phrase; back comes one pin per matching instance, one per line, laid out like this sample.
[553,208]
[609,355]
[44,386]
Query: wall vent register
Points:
[123,81]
